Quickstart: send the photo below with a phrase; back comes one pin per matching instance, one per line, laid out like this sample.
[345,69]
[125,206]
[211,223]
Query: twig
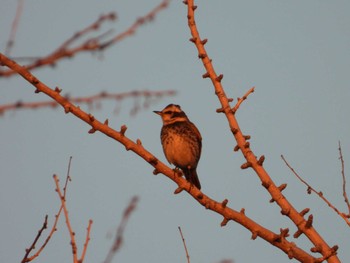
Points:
[139,22]
[92,44]
[240,100]
[28,250]
[320,194]
[120,230]
[183,241]
[87,239]
[11,41]
[89,100]
[344,180]
[53,229]
[65,210]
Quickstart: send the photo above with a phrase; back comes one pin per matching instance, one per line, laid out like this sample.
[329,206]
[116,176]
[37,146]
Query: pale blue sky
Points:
[296,54]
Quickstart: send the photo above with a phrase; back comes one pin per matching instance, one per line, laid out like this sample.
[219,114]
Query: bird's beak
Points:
[157,112]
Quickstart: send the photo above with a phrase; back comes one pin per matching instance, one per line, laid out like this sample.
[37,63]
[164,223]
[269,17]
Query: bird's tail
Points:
[192,177]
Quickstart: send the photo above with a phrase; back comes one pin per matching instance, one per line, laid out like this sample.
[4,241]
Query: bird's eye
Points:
[168,112]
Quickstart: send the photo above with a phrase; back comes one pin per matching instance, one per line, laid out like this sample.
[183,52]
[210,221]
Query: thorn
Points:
[224,222]
[246,165]
[178,190]
[261,160]
[334,248]
[123,129]
[204,41]
[219,78]
[156,171]
[309,221]
[282,187]
[284,232]
[138,142]
[246,145]
[193,39]
[305,211]
[205,75]
[224,203]
[242,211]
[285,211]
[106,122]
[254,235]
[185,2]
[92,130]
[202,56]
[58,90]
[230,99]
[247,137]
[316,249]
[236,149]
[67,109]
[37,91]
[220,110]
[297,234]
[91,117]
[194,7]
[234,130]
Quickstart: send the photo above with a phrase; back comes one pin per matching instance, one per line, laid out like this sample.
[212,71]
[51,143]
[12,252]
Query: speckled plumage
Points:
[181,141]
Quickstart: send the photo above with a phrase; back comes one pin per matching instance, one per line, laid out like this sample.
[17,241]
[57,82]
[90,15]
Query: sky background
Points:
[296,54]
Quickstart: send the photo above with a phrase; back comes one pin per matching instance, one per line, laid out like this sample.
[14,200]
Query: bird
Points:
[181,142]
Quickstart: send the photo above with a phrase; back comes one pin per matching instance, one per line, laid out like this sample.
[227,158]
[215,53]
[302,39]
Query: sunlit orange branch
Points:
[90,100]
[304,226]
[92,44]
[118,240]
[277,239]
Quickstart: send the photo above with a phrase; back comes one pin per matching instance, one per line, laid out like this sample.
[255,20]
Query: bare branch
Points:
[319,193]
[344,180]
[28,250]
[11,41]
[183,241]
[90,100]
[240,100]
[118,240]
[87,239]
[92,44]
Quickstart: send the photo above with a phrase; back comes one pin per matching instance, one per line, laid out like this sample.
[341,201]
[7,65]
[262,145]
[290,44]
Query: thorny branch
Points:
[304,226]
[92,44]
[221,208]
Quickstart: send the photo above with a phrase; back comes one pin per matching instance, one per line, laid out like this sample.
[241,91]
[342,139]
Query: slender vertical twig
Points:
[344,179]
[183,241]
[118,240]
[10,43]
